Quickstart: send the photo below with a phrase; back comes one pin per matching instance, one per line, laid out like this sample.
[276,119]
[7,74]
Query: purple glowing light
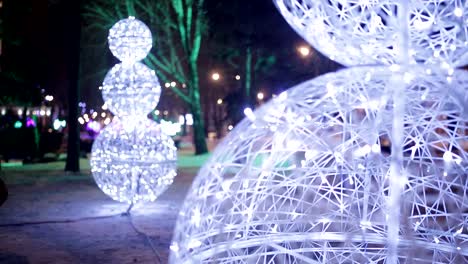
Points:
[30,122]
[93,126]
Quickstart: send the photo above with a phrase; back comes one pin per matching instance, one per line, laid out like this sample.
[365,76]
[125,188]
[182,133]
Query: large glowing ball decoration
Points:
[355,32]
[305,178]
[130,40]
[133,165]
[131,90]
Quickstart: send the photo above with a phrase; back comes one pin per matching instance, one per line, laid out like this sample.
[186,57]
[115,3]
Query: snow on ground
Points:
[44,193]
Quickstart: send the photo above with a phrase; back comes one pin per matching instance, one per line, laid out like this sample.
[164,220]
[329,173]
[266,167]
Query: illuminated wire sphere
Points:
[130,40]
[355,32]
[133,165]
[305,178]
[131,90]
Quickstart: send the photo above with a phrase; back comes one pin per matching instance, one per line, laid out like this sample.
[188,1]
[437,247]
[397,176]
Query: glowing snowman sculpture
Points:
[132,160]
[366,165]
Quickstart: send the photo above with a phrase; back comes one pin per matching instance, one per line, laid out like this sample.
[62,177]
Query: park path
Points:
[51,195]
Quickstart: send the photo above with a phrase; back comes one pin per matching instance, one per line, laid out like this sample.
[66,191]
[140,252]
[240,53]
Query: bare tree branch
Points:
[177,29]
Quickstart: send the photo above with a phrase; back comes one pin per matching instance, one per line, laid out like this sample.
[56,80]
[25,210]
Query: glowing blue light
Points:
[18,124]
[59,124]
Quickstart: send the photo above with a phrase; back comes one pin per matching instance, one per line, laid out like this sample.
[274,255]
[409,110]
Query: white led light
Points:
[249,113]
[107,121]
[189,119]
[448,157]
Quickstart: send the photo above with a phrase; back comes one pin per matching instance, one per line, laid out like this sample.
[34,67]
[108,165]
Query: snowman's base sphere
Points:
[305,179]
[133,164]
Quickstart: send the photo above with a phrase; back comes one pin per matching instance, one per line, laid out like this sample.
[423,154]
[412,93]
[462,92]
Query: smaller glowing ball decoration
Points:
[130,40]
[131,89]
[305,179]
[355,32]
[133,165]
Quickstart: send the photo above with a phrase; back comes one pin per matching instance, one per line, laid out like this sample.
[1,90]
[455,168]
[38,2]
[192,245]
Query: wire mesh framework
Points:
[305,178]
[356,32]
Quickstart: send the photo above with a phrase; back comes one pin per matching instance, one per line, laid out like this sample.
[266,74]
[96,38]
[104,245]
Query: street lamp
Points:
[220,101]
[260,96]
[304,51]
[215,76]
[49,98]
[238,77]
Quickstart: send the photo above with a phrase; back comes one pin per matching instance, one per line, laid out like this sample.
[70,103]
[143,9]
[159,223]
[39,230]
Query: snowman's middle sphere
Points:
[131,90]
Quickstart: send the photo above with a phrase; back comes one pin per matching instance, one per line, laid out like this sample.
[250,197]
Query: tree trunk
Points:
[248,76]
[73,8]
[199,139]
[3,192]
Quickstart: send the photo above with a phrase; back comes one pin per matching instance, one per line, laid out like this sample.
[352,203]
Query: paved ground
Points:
[44,195]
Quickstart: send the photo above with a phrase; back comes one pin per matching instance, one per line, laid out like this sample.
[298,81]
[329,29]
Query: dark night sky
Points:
[24,40]
[57,71]
[35,42]
[46,32]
